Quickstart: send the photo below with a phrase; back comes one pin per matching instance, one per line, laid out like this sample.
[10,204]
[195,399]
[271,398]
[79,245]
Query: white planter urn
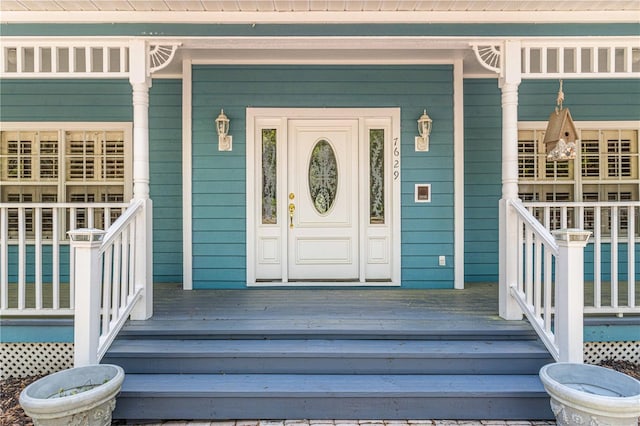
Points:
[77,396]
[589,395]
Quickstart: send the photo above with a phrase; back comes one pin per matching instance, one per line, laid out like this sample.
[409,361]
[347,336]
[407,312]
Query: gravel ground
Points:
[11,413]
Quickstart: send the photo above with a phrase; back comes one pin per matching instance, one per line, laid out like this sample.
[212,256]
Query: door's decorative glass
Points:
[323,176]
[376,176]
[269,177]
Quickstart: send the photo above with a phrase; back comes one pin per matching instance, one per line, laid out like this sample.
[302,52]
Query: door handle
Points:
[292,210]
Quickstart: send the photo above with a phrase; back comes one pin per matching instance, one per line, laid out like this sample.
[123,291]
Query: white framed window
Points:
[605,169]
[64,163]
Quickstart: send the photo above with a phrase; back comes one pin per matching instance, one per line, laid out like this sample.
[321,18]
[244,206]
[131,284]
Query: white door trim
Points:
[278,118]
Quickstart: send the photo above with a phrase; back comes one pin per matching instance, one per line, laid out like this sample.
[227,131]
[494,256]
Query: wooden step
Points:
[318,356]
[329,328]
[293,396]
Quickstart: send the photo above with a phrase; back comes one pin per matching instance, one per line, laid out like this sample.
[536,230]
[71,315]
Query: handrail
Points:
[533,289]
[119,225]
[535,225]
[113,266]
[548,286]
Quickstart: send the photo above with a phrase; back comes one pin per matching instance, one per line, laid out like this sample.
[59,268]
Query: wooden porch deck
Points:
[327,312]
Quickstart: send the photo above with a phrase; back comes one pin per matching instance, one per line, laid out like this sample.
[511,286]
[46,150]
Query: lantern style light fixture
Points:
[561,136]
[424,130]
[222,127]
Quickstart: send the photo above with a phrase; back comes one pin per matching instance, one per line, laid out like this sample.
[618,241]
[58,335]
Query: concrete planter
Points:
[590,395]
[78,396]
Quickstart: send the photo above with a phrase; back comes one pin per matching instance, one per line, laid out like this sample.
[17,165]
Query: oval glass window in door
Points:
[323,176]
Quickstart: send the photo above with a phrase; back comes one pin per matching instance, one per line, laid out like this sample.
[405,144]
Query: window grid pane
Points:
[95,172]
[527,158]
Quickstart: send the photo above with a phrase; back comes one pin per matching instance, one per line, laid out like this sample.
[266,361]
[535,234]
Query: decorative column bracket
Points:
[161,55]
[489,56]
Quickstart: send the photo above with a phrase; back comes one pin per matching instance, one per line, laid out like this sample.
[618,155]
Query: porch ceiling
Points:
[290,11]
[316,5]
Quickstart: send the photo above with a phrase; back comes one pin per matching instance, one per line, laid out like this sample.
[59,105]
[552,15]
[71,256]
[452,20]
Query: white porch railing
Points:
[549,284]
[112,274]
[33,236]
[615,227]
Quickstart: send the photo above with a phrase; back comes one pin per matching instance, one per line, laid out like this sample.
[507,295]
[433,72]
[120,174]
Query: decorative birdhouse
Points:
[561,136]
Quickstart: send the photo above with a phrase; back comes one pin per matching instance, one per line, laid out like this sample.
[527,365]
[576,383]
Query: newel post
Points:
[569,294]
[85,246]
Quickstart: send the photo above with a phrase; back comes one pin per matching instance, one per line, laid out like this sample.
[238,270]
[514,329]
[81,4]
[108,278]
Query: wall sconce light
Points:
[222,127]
[424,129]
[561,136]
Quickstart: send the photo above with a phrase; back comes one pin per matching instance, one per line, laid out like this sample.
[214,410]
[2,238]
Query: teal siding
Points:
[219,250]
[110,100]
[65,100]
[483,171]
[589,100]
[279,30]
[165,174]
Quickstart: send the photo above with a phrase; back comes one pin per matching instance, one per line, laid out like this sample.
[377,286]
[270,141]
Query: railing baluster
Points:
[38,256]
[521,251]
[90,221]
[537,285]
[529,264]
[106,291]
[548,290]
[55,265]
[124,265]
[4,259]
[614,257]
[631,258]
[132,255]
[597,257]
[115,282]
[21,258]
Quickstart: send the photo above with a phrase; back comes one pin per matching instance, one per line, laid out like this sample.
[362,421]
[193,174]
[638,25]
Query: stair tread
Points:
[326,324]
[326,385]
[327,348]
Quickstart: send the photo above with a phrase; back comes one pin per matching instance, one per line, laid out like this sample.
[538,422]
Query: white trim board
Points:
[187,221]
[323,17]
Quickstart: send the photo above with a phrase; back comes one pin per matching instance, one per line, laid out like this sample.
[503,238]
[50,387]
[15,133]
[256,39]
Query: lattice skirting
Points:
[32,359]
[595,352]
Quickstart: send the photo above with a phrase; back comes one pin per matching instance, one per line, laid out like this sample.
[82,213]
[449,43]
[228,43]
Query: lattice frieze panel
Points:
[53,60]
[594,60]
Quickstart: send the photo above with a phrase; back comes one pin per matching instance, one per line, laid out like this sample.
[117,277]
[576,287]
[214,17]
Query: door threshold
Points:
[326,283]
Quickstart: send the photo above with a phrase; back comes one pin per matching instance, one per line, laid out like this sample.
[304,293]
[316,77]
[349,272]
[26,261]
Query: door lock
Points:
[292,209]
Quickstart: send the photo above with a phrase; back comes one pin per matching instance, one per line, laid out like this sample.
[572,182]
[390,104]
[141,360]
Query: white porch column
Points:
[141,82]
[508,224]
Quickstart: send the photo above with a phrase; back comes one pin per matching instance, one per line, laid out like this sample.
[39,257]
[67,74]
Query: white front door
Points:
[323,205]
[322,179]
